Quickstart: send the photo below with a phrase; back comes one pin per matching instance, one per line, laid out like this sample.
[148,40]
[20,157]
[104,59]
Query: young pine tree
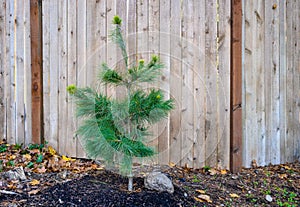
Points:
[116,130]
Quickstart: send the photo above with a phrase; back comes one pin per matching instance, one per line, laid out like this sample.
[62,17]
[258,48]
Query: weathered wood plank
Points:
[164,50]
[289,142]
[248,93]
[111,48]
[199,84]
[19,72]
[81,13]
[187,85]
[175,82]
[27,75]
[2,69]
[36,70]
[62,31]
[70,147]
[153,43]
[273,27]
[211,74]
[259,78]
[132,31]
[46,69]
[224,44]
[142,29]
[283,78]
[53,76]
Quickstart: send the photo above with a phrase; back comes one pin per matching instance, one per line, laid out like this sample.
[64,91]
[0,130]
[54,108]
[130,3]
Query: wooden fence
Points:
[195,40]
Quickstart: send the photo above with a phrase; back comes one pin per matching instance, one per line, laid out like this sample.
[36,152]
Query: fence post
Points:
[36,70]
[236,121]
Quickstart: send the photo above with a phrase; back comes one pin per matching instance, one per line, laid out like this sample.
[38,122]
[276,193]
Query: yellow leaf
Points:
[223,172]
[233,195]
[51,150]
[27,156]
[205,198]
[34,182]
[12,157]
[65,158]
[282,176]
[198,199]
[201,191]
[172,164]
[287,167]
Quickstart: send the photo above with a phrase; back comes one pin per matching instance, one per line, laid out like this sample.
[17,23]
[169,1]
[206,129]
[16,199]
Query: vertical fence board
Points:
[175,81]
[153,43]
[248,83]
[36,71]
[2,69]
[199,84]
[111,48]
[70,149]
[164,51]
[62,31]
[131,30]
[53,76]
[81,13]
[19,71]
[258,150]
[211,73]
[187,85]
[224,83]
[46,65]
[283,79]
[27,75]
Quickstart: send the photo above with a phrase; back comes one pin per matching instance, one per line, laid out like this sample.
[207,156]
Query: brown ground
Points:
[85,183]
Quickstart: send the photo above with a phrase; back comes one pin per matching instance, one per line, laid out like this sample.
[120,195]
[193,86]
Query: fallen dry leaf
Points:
[27,156]
[198,199]
[172,164]
[223,172]
[212,171]
[41,170]
[233,195]
[34,182]
[205,198]
[33,192]
[282,176]
[51,150]
[201,191]
[65,158]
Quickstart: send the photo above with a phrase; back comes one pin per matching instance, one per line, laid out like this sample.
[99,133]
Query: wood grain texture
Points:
[211,78]
[224,45]
[72,69]
[187,99]
[163,84]
[199,84]
[36,71]
[2,69]
[175,82]
[81,13]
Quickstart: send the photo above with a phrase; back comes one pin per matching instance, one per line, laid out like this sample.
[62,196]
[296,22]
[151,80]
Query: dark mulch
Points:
[204,187]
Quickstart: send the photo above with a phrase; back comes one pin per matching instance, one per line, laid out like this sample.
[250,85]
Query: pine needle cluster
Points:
[117,130]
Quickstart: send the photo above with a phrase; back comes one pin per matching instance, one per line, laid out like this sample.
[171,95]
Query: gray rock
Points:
[159,182]
[269,198]
[15,174]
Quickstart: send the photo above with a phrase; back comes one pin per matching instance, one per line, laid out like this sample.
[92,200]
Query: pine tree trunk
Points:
[130,182]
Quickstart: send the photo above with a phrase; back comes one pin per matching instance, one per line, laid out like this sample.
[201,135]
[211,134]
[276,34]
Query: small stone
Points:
[269,198]
[15,174]
[234,177]
[185,194]
[159,182]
